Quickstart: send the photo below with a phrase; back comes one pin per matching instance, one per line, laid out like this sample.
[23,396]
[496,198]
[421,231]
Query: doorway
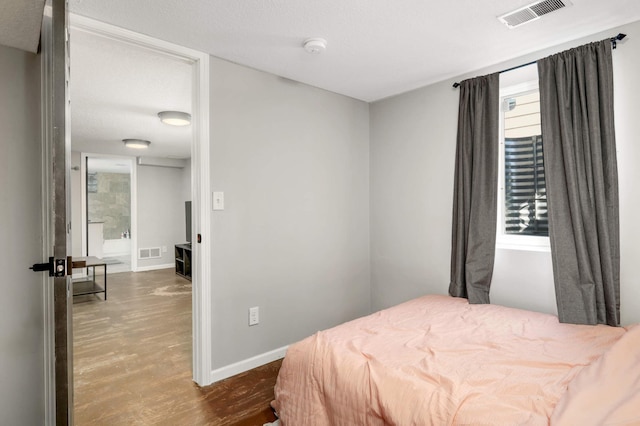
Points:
[107,210]
[198,165]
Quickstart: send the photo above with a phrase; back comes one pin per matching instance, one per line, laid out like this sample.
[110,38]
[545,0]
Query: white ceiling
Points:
[376,48]
[20,23]
[117,90]
[108,165]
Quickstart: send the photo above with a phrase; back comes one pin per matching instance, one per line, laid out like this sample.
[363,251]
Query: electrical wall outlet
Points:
[164,249]
[254,315]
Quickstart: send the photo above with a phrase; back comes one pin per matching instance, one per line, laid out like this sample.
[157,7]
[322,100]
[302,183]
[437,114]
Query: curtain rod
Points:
[614,42]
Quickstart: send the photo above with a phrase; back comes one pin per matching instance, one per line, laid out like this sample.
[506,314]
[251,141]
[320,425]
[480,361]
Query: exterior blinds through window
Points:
[525,189]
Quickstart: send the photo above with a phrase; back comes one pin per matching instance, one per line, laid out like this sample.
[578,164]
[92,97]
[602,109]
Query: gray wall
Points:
[412,158]
[412,164]
[186,196]
[21,304]
[160,211]
[293,162]
[186,181]
[626,64]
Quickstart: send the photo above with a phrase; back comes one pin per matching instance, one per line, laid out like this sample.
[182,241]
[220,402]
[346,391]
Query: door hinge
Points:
[55,267]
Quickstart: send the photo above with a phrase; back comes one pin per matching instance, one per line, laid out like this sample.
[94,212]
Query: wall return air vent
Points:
[149,253]
[532,12]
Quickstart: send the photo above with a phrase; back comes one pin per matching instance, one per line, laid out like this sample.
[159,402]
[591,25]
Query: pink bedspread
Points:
[437,360]
[607,392]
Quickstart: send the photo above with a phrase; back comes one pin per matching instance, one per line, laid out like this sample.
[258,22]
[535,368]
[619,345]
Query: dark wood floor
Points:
[132,361]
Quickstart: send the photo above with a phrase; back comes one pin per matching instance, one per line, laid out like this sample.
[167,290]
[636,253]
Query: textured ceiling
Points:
[20,23]
[117,90]
[376,48]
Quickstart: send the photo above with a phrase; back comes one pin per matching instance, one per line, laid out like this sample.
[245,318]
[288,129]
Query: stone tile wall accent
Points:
[111,204]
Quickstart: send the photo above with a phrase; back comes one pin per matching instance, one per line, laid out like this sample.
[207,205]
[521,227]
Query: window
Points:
[522,210]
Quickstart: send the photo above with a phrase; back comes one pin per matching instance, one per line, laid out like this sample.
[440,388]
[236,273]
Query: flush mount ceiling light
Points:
[136,143]
[315,45]
[175,118]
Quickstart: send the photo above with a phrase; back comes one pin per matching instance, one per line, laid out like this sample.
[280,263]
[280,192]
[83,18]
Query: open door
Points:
[55,42]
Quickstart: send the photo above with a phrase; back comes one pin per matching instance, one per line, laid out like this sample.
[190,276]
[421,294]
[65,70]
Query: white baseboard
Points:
[247,364]
[155,267]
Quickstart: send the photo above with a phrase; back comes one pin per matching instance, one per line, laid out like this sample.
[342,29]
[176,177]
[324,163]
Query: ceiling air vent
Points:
[532,12]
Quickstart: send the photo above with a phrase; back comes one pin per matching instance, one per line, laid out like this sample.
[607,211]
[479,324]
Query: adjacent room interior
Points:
[131,208]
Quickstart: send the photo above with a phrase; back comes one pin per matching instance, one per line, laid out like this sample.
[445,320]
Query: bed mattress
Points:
[437,360]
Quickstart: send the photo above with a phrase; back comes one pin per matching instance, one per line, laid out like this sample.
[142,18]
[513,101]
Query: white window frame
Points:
[503,240]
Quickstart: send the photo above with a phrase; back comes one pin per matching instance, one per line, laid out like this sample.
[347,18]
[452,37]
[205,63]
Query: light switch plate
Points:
[254,315]
[218,201]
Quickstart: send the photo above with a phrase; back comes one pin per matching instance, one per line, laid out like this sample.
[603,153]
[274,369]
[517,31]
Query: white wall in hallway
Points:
[160,212]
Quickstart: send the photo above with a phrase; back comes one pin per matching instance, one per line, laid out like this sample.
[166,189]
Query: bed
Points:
[437,360]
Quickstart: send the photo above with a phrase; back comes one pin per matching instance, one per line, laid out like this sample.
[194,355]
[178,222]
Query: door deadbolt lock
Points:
[55,267]
[60,268]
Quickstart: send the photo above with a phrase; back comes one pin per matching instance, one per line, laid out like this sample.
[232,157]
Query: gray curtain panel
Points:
[576,102]
[475,191]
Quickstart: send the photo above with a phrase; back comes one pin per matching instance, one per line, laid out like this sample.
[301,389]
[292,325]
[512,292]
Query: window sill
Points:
[539,244]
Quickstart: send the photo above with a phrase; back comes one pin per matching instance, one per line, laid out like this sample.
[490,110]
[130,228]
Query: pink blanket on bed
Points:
[436,360]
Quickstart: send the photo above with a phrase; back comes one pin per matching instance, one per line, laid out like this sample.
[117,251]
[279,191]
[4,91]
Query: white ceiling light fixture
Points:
[315,45]
[175,118]
[136,143]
